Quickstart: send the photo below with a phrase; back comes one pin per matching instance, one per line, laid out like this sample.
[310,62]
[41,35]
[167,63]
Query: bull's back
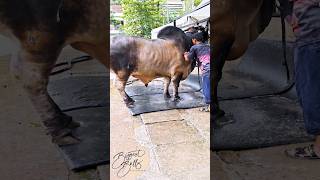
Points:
[61,19]
[147,59]
[159,57]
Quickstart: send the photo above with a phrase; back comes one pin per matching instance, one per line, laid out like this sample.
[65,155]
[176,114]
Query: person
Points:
[305,19]
[191,30]
[201,52]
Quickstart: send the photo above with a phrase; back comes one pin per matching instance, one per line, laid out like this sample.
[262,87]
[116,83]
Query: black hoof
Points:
[177,99]
[166,96]
[64,137]
[67,122]
[66,140]
[129,102]
[218,114]
[222,121]
[73,124]
[219,119]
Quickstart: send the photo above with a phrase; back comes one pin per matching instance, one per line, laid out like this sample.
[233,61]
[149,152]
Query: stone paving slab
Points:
[200,120]
[178,159]
[90,174]
[104,172]
[201,174]
[25,149]
[123,140]
[218,171]
[172,133]
[156,117]
[265,164]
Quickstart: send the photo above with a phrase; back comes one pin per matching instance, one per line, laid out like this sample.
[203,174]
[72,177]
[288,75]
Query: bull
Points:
[236,24]
[149,59]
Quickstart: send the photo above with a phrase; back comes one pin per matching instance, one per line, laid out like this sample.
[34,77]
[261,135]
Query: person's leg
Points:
[307,63]
[206,91]
[206,87]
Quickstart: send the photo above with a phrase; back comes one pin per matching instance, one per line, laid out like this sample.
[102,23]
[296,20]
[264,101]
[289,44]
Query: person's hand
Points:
[186,54]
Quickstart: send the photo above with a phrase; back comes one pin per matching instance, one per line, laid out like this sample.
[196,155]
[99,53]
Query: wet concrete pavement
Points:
[264,164]
[175,142]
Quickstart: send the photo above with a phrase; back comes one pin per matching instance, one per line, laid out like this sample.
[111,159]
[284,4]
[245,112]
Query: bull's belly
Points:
[147,77]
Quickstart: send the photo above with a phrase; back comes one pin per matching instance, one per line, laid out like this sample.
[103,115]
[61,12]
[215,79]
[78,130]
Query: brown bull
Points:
[235,24]
[41,28]
[147,60]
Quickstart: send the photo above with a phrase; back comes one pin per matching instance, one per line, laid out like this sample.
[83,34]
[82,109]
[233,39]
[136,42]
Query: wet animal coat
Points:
[147,60]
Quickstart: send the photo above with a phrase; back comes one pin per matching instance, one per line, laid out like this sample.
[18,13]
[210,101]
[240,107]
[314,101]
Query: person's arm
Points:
[185,54]
[192,54]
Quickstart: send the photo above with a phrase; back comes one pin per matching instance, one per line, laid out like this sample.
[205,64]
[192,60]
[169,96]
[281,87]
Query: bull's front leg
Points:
[176,82]
[166,93]
[33,69]
[122,78]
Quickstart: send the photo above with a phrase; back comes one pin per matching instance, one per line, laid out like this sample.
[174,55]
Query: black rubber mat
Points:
[259,120]
[86,100]
[80,91]
[94,147]
[260,71]
[150,99]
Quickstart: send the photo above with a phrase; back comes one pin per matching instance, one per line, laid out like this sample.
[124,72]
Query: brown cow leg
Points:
[34,74]
[166,93]
[176,82]
[122,78]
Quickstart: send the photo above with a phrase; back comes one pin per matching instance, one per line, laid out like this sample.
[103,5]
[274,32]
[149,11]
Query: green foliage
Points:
[114,21]
[172,15]
[197,2]
[141,16]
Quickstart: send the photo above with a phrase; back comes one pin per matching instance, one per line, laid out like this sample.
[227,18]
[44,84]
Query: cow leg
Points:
[122,78]
[166,93]
[33,69]
[220,54]
[176,82]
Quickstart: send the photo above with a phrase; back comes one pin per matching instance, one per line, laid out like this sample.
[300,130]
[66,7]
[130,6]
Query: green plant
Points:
[141,16]
[197,2]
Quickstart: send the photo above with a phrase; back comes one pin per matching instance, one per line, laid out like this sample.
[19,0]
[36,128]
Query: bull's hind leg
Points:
[33,68]
[166,93]
[220,54]
[176,82]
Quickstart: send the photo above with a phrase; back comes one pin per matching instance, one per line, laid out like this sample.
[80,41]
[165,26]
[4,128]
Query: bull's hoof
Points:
[177,98]
[69,123]
[64,137]
[129,102]
[222,121]
[73,124]
[218,114]
[166,95]
[219,119]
